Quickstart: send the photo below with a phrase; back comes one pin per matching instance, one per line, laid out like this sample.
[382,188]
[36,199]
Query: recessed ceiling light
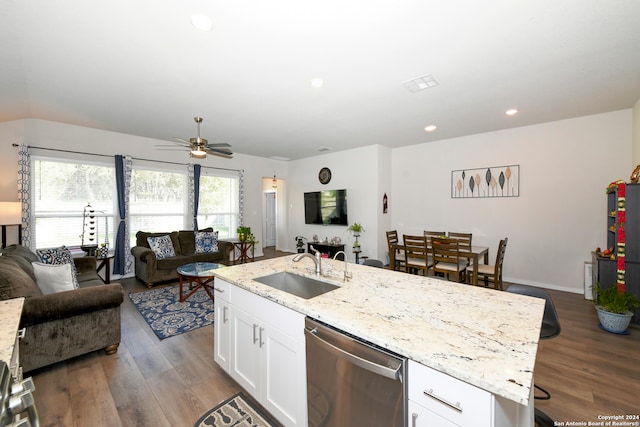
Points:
[317,82]
[201,22]
[430,128]
[511,112]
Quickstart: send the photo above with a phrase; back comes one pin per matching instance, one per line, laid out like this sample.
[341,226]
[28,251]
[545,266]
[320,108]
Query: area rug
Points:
[167,316]
[236,411]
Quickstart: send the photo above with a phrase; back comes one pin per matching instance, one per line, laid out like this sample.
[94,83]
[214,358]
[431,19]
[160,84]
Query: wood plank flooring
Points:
[173,382]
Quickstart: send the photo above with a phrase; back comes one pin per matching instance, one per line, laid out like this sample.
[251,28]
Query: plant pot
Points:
[300,250]
[613,322]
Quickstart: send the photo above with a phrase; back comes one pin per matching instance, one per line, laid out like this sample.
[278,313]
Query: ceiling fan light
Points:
[199,153]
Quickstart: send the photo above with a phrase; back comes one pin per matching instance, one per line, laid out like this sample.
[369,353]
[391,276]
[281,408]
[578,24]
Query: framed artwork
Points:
[494,181]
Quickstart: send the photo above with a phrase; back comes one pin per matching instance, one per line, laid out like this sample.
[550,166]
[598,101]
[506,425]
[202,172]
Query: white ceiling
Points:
[140,67]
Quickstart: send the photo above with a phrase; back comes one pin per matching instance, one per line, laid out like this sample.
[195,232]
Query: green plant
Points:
[613,300]
[300,241]
[356,228]
[244,230]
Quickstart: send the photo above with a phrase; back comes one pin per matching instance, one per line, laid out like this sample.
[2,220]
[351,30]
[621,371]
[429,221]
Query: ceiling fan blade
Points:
[218,144]
[222,153]
[181,140]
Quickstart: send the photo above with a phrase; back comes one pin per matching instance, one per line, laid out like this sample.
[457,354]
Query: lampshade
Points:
[10,213]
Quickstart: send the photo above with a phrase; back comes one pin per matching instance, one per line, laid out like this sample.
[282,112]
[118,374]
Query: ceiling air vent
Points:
[420,83]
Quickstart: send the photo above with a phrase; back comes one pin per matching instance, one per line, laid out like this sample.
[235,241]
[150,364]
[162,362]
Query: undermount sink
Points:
[300,286]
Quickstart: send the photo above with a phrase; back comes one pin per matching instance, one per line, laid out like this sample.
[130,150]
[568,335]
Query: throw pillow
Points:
[206,241]
[161,246]
[58,256]
[52,278]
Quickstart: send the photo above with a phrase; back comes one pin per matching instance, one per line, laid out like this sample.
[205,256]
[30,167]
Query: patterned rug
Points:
[167,316]
[235,411]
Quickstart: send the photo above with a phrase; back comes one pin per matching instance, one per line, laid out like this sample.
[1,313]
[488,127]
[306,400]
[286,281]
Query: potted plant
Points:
[300,243]
[355,228]
[243,233]
[614,307]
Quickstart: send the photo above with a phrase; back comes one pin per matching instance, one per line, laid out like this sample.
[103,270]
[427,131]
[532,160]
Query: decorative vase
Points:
[242,237]
[613,322]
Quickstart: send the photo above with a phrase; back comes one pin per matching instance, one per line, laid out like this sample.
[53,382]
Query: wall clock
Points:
[324,176]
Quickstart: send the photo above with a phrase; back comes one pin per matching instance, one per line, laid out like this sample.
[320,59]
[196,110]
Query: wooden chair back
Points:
[416,254]
[430,233]
[463,238]
[399,255]
[445,253]
[502,248]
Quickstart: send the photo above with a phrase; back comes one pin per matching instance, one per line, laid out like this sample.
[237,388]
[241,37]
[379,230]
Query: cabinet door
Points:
[245,352]
[284,377]
[222,328]
[422,417]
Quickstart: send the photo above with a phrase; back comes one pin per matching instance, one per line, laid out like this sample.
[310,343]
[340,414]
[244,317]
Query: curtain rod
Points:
[134,158]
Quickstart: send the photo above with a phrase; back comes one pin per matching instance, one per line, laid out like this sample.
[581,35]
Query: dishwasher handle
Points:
[394,374]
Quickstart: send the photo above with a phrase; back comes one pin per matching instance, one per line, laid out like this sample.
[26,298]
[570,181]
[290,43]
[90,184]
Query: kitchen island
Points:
[482,337]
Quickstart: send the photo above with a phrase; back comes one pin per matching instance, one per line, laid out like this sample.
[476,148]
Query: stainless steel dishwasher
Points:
[351,382]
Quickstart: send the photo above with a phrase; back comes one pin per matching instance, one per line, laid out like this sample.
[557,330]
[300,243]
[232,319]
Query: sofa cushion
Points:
[57,256]
[14,281]
[188,240]
[174,262]
[206,241]
[52,278]
[142,239]
[21,252]
[161,246]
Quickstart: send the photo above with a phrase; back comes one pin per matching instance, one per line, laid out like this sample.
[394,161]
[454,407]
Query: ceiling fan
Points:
[200,147]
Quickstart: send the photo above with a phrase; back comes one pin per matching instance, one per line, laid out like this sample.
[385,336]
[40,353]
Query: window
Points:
[157,201]
[219,204]
[60,191]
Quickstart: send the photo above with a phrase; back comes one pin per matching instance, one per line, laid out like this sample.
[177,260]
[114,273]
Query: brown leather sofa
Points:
[61,325]
[152,270]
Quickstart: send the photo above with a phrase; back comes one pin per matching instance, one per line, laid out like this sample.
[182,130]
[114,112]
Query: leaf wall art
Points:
[494,181]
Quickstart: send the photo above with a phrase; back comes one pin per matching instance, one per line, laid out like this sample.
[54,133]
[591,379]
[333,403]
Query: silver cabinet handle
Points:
[414,419]
[261,342]
[255,338]
[225,319]
[218,289]
[455,406]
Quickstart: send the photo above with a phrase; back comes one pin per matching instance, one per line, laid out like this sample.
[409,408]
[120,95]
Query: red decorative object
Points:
[621,187]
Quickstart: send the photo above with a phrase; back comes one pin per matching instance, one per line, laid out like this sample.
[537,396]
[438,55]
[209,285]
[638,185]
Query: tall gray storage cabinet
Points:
[604,269]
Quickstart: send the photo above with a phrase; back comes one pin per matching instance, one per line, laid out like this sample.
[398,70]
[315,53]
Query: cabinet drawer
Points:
[221,289]
[288,321]
[452,399]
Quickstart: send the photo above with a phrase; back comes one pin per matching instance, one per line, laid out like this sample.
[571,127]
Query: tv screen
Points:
[327,207]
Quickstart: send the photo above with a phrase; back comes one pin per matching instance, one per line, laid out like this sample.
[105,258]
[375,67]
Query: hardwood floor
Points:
[173,382]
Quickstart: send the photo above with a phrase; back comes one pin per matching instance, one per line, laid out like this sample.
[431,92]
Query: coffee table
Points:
[199,275]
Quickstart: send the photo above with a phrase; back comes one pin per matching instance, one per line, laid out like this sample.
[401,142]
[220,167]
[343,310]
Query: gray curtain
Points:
[122,262]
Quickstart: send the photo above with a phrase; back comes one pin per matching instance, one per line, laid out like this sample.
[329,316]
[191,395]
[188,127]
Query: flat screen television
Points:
[327,207]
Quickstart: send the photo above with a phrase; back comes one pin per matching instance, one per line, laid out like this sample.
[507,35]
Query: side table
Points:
[105,262]
[246,251]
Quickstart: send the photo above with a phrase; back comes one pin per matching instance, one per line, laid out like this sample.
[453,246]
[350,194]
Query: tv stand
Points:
[327,248]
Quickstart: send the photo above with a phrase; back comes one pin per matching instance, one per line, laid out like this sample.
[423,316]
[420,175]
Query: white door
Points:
[245,354]
[222,327]
[270,219]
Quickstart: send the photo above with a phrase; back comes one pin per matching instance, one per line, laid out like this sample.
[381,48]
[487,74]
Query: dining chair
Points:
[493,273]
[399,255]
[373,263]
[416,254]
[465,243]
[446,257]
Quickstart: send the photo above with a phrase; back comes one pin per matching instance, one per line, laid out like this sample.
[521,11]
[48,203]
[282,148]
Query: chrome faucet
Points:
[347,274]
[317,260]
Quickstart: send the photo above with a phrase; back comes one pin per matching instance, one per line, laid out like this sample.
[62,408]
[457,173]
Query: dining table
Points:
[474,254]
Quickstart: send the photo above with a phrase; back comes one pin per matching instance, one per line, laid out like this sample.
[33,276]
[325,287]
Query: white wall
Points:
[565,167]
[48,134]
[354,170]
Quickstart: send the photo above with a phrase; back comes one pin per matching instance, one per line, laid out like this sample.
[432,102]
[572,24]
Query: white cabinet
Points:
[222,324]
[266,353]
[438,399]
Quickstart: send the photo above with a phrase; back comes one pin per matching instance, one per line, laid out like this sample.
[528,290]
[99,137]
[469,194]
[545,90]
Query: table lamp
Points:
[10,215]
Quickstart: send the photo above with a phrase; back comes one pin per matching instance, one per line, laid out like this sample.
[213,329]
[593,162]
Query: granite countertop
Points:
[484,337]
[10,312]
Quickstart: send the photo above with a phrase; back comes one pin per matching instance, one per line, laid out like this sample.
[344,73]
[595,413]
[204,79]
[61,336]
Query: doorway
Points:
[270,219]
